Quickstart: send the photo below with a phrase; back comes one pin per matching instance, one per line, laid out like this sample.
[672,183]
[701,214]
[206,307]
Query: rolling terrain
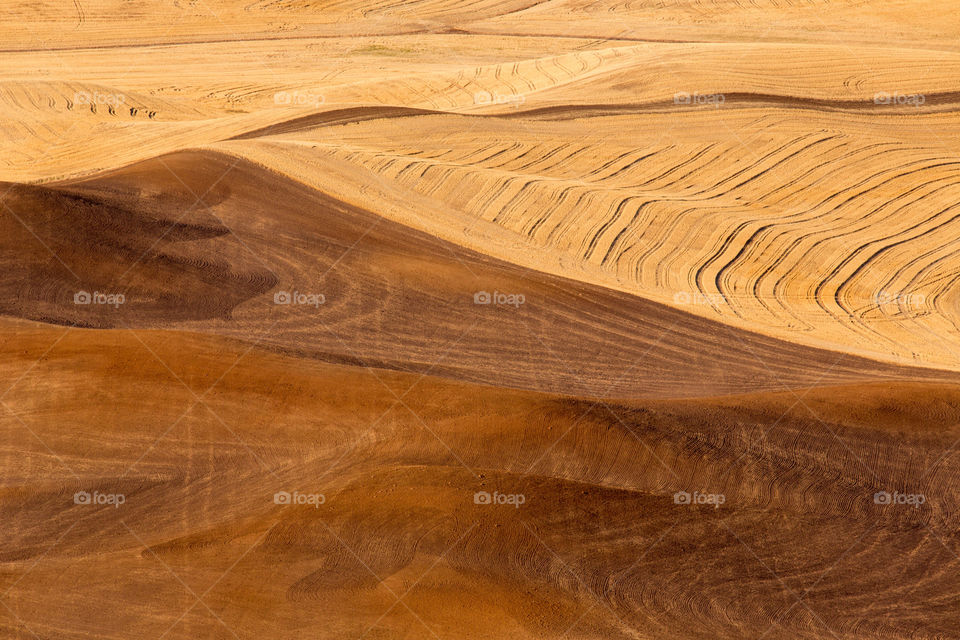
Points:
[198,434]
[535,319]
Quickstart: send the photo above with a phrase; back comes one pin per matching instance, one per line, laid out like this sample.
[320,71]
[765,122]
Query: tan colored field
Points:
[520,319]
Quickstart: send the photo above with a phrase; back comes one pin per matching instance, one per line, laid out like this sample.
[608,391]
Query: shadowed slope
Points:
[164,253]
[397,298]
[329,118]
[483,320]
[598,547]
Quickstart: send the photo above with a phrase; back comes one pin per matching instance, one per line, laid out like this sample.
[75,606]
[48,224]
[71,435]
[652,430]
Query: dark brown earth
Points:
[198,433]
[203,242]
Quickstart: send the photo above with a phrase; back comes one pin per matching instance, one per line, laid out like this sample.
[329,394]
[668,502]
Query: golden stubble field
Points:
[437,319]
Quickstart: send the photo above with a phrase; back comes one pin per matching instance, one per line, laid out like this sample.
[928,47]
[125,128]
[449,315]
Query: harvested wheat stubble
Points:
[533,319]
[391,296]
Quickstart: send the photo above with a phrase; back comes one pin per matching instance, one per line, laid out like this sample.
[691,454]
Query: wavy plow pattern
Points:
[480,319]
[742,220]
